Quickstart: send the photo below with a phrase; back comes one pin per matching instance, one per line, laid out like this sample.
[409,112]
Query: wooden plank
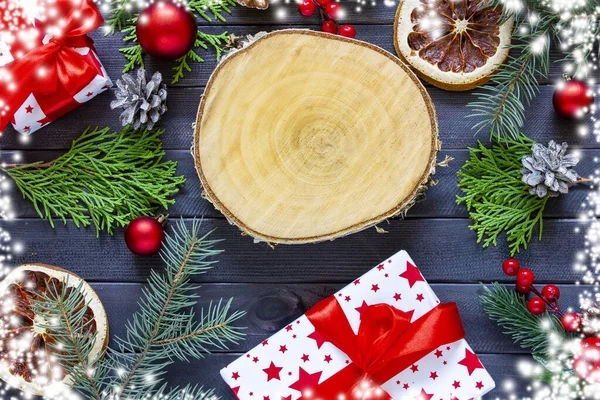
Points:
[440,201]
[454,125]
[445,249]
[271,307]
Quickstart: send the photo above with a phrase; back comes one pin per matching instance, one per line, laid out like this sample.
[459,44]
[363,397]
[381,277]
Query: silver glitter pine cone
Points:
[143,102]
[547,171]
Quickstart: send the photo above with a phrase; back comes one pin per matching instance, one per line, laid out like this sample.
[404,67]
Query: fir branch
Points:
[106,179]
[74,338]
[501,104]
[164,327]
[119,16]
[509,309]
[497,200]
[217,42]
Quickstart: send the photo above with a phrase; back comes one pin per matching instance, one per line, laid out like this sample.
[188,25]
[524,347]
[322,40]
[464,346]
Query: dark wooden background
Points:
[276,286]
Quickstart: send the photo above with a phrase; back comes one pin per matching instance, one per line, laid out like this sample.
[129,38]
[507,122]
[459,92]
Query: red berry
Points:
[332,10]
[571,322]
[329,27]
[551,292]
[590,349]
[307,8]
[511,267]
[525,277]
[523,289]
[582,367]
[536,306]
[144,236]
[347,31]
[323,3]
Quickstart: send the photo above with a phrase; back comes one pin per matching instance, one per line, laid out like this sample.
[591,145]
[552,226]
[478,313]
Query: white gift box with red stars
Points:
[298,357]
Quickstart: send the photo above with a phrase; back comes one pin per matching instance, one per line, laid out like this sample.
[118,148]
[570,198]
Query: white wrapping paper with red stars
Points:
[43,75]
[301,362]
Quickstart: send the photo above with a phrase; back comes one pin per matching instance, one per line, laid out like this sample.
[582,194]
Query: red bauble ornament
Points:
[536,306]
[511,267]
[525,277]
[166,30]
[307,8]
[347,31]
[329,27]
[572,99]
[551,292]
[590,349]
[332,10]
[571,322]
[587,364]
[144,236]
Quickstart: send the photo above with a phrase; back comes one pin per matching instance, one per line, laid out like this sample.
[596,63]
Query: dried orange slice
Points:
[452,44]
[27,361]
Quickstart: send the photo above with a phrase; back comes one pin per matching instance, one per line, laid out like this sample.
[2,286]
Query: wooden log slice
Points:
[304,136]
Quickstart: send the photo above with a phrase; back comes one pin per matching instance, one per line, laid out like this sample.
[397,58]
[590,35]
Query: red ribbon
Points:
[386,344]
[54,68]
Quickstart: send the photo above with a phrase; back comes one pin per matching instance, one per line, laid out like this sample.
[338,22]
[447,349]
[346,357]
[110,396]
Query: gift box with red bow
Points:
[48,66]
[384,336]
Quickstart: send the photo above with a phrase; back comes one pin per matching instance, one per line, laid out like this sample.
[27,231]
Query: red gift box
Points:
[48,63]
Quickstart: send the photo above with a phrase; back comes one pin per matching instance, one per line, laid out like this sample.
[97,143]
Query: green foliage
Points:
[124,21]
[165,329]
[509,309]
[497,200]
[106,179]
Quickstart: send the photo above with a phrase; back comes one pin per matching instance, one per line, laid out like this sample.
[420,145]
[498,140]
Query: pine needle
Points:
[497,200]
[509,309]
[106,179]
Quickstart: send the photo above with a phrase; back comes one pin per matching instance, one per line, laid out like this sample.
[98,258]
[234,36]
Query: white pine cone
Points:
[143,102]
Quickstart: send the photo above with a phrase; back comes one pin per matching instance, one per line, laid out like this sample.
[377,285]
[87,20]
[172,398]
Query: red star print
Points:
[89,94]
[26,129]
[414,368]
[283,348]
[380,267]
[420,297]
[294,336]
[397,296]
[387,275]
[397,382]
[235,376]
[328,358]
[28,109]
[438,353]
[306,381]
[357,282]
[447,347]
[288,328]
[412,274]
[375,288]
[479,385]
[445,362]
[405,386]
[287,398]
[424,395]
[255,359]
[362,307]
[347,298]
[304,357]
[251,393]
[265,343]
[433,375]
[471,362]
[248,356]
[456,384]
[266,398]
[273,372]
[317,337]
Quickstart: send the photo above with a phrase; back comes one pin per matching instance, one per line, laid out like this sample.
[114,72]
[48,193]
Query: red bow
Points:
[387,343]
[54,67]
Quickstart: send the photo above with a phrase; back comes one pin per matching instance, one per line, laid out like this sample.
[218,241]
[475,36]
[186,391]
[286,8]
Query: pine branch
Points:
[509,310]
[105,179]
[73,335]
[501,104]
[164,327]
[217,42]
[120,16]
[497,200]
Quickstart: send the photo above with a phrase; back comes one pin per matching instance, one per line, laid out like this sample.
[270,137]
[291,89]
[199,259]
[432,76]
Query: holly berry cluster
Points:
[546,300]
[330,12]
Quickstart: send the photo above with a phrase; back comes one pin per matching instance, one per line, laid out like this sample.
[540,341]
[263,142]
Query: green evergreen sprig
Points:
[509,310]
[165,329]
[497,200]
[124,21]
[106,179]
